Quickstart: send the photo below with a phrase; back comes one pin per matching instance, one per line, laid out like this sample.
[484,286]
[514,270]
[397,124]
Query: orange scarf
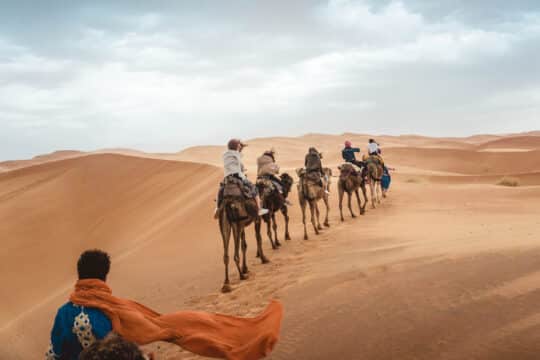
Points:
[202,333]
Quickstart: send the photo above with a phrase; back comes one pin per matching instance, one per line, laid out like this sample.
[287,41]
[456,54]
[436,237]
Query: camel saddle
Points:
[234,187]
[310,182]
[268,186]
[347,170]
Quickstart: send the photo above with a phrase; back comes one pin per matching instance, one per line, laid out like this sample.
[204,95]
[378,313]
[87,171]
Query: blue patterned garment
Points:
[386,179]
[75,328]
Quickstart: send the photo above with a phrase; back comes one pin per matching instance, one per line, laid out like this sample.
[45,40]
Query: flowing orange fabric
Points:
[202,333]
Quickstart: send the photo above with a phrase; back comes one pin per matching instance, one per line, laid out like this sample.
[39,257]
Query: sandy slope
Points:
[530,142]
[40,159]
[147,211]
[447,267]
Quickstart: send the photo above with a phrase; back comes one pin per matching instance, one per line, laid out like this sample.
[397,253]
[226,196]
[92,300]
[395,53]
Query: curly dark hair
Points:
[94,264]
[112,347]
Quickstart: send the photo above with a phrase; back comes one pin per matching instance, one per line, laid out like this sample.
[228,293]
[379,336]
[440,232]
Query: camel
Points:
[373,172]
[235,214]
[274,202]
[350,180]
[310,192]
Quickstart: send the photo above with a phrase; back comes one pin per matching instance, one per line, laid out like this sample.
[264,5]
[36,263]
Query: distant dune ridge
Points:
[386,285]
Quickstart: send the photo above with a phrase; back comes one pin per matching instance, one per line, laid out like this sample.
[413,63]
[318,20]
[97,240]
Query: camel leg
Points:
[268,221]
[318,215]
[372,191]
[245,269]
[349,197]
[340,193]
[237,233]
[285,212]
[303,206]
[313,212]
[361,209]
[274,227]
[379,192]
[364,192]
[225,228]
[326,203]
[260,252]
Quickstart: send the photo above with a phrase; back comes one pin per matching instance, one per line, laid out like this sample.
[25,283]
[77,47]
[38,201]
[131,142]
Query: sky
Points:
[163,75]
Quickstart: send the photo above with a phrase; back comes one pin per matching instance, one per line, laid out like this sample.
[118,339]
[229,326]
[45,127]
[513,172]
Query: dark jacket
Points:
[348,154]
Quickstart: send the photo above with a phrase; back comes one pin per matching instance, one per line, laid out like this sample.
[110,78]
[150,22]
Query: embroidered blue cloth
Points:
[75,328]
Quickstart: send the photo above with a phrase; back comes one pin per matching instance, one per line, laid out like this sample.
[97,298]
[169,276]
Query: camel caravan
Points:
[241,203]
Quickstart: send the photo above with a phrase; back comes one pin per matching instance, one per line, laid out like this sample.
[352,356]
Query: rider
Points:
[348,154]
[268,168]
[373,147]
[313,164]
[233,166]
[375,151]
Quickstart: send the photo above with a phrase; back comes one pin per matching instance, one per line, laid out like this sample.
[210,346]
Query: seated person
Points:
[348,154]
[374,150]
[114,347]
[233,166]
[76,327]
[313,164]
[268,168]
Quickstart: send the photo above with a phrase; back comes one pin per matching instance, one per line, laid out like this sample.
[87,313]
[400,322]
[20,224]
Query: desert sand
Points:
[447,267]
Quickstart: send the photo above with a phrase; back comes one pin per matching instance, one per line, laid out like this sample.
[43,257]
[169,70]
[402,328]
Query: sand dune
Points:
[40,159]
[516,142]
[51,212]
[525,179]
[465,162]
[291,152]
[447,267]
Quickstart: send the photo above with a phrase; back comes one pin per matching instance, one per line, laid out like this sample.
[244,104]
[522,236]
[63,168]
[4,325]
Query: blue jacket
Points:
[75,328]
[348,154]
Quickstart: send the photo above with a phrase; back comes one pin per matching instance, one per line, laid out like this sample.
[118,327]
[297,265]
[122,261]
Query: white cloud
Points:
[176,84]
[392,24]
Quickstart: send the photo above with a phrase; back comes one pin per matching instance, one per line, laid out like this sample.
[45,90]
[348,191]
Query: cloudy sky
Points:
[162,75]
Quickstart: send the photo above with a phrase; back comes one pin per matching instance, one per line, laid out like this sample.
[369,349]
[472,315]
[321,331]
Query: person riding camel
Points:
[313,164]
[348,154]
[268,168]
[375,151]
[233,166]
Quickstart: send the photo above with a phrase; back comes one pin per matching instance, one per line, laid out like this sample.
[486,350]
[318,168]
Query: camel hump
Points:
[346,170]
[375,169]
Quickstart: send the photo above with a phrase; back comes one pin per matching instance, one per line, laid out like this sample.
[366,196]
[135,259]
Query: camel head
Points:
[287,182]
